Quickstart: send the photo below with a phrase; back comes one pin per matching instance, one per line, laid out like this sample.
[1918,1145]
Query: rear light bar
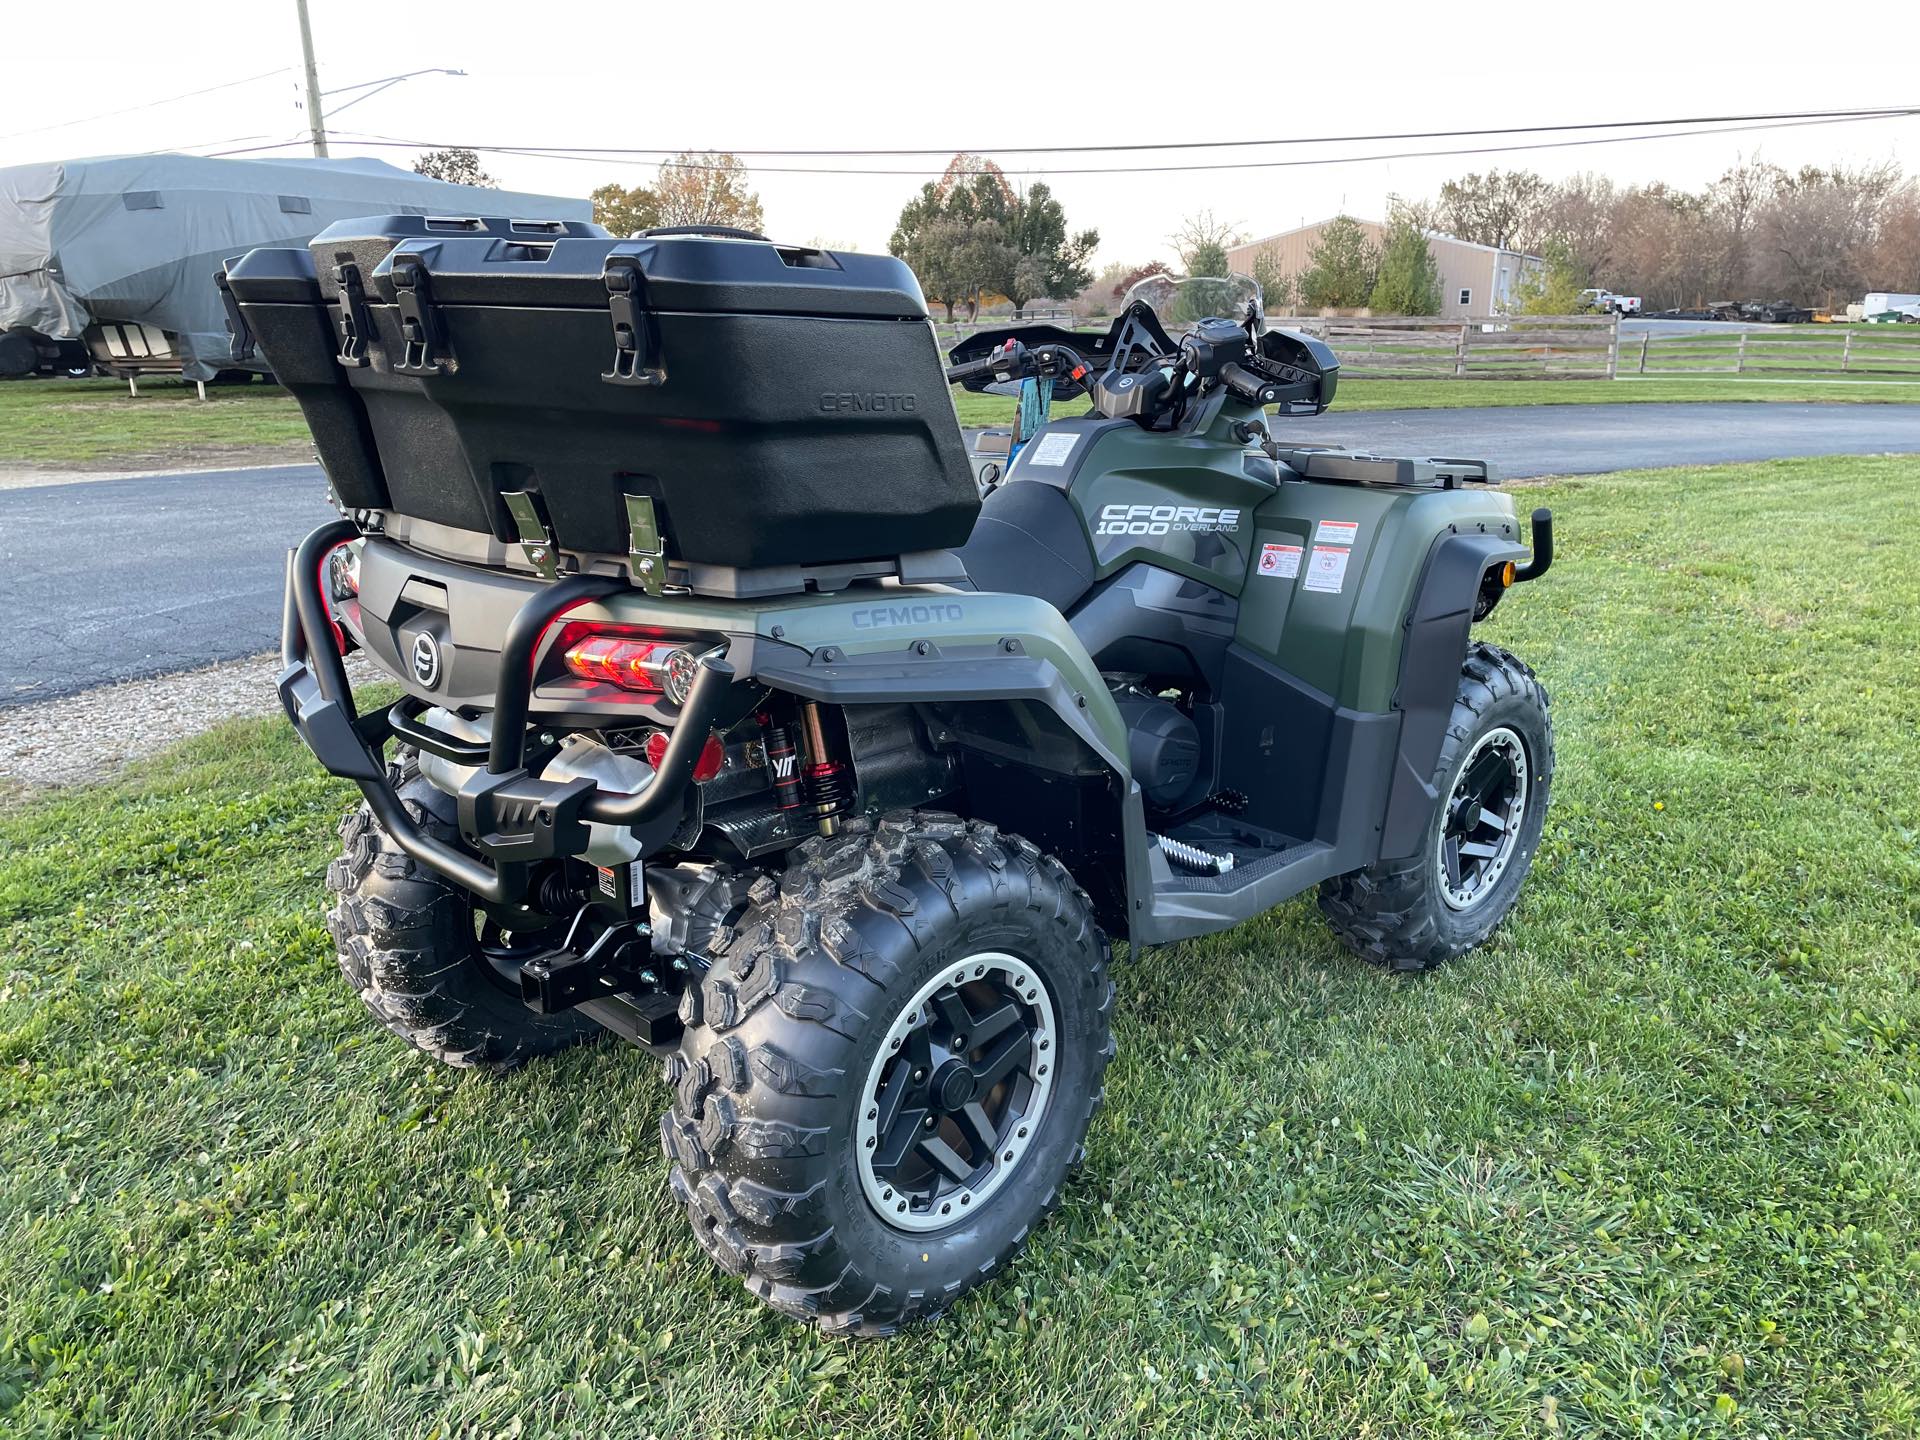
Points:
[644,667]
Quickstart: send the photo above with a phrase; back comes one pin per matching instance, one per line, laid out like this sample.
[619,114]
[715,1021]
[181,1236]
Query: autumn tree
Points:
[1499,209]
[623,211]
[1341,267]
[708,187]
[1040,256]
[456,167]
[1133,275]
[1202,242]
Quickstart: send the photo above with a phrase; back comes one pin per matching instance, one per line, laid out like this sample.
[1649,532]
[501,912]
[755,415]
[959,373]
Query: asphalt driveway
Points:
[117,579]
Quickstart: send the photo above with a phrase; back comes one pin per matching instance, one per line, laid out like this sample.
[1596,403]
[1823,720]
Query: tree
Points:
[1277,290]
[1553,288]
[965,172]
[456,167]
[707,188]
[1408,282]
[1503,210]
[1816,235]
[1895,261]
[1039,256]
[1131,277]
[623,211]
[1340,267]
[1202,242]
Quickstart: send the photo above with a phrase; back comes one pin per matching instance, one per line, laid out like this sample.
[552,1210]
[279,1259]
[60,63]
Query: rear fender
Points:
[947,648]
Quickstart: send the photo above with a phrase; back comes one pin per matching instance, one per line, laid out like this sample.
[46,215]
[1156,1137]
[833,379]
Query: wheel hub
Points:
[957,1092]
[1480,830]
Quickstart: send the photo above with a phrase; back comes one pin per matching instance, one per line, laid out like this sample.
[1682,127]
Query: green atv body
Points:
[737,722]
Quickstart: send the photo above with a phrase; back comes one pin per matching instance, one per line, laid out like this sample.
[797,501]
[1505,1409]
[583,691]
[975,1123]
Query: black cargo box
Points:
[781,406]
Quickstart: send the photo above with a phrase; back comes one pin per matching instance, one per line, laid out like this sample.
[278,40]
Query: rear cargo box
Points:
[781,407]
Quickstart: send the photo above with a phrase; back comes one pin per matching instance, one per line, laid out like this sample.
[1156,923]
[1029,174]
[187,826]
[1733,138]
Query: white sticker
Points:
[1053,448]
[606,880]
[1337,532]
[1327,571]
[1282,561]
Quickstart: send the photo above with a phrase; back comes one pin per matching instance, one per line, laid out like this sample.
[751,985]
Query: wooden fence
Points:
[1531,347]
[1801,351]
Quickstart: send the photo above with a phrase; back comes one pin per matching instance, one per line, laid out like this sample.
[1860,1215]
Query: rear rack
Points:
[509,815]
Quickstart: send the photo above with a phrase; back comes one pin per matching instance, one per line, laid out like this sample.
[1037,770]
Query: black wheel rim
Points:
[1480,830]
[957,1093]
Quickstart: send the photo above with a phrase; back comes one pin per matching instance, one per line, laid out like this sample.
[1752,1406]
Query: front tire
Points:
[1493,779]
[837,1138]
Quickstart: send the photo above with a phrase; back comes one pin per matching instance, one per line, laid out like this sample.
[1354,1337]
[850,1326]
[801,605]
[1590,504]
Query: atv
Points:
[735,721]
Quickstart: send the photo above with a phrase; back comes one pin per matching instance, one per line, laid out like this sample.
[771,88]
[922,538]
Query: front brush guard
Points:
[511,816]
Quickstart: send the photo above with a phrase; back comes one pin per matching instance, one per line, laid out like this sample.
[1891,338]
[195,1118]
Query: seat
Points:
[1030,539]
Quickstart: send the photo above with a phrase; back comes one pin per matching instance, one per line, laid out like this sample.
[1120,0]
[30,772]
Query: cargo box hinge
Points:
[636,338]
[353,323]
[423,336]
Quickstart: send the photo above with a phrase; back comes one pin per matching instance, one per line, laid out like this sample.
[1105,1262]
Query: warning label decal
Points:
[1327,570]
[1337,532]
[1282,561]
[1054,448]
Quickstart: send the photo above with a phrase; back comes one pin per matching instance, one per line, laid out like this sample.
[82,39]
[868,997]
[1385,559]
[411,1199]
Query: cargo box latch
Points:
[354,325]
[636,339]
[423,336]
[535,543]
[646,555]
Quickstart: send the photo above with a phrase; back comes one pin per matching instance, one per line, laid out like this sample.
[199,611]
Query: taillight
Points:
[713,755]
[343,571]
[646,667]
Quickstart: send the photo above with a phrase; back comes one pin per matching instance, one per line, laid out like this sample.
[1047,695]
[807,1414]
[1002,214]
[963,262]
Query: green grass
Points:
[1464,394]
[1645,1164]
[97,422]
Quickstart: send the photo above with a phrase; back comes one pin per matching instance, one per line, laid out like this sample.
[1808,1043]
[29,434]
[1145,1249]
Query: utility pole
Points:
[316,120]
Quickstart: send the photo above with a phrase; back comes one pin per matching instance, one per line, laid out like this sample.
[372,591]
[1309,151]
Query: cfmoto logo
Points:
[426,660]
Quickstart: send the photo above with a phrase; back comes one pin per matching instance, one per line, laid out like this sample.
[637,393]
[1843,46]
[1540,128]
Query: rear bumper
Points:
[508,817]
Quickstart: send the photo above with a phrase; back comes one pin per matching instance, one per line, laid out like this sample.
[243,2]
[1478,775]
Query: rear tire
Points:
[1420,912]
[408,946]
[821,993]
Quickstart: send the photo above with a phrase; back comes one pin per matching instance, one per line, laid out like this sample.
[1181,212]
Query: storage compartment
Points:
[780,406]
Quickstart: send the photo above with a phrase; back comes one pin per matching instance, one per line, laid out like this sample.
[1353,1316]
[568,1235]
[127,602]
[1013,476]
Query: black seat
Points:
[1031,540]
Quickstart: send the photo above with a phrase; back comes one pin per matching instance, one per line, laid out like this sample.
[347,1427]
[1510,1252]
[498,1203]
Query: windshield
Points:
[1179,301]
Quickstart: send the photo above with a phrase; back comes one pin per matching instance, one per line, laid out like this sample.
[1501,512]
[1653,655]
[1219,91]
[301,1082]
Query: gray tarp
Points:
[138,237]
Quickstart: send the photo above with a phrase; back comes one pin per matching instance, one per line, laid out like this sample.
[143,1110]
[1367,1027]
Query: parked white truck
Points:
[1889,307]
[1605,302]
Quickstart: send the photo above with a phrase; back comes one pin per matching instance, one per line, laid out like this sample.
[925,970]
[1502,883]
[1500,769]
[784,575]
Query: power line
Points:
[611,158]
[1864,112]
[147,105]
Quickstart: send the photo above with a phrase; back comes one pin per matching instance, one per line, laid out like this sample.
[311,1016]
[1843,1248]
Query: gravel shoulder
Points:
[90,737]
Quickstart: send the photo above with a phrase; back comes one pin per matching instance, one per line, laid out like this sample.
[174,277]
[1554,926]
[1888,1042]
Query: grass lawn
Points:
[1646,1164]
[59,422]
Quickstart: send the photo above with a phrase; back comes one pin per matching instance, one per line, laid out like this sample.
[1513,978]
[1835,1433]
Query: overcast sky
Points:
[853,74]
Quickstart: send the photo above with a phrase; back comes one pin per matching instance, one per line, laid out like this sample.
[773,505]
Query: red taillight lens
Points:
[646,667]
[713,755]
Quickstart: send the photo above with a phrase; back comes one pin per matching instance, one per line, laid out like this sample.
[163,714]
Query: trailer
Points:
[108,263]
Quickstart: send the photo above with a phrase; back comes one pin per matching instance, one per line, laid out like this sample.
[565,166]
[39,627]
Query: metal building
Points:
[1474,279]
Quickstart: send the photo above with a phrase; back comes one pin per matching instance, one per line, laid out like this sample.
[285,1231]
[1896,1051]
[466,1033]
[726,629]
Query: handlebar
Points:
[1248,386]
[1015,361]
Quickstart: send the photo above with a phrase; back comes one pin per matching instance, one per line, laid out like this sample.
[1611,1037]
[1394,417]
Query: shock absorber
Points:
[829,786]
[783,762]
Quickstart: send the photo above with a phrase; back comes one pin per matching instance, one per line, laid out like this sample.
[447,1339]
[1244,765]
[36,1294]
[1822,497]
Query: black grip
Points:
[1249,386]
[969,369]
